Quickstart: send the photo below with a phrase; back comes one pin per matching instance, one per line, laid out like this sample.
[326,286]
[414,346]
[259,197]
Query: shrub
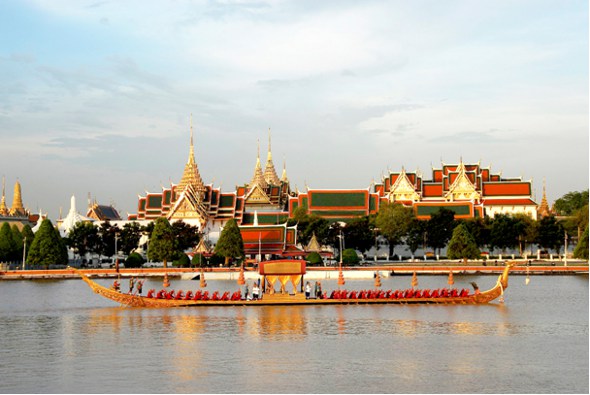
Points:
[183,261]
[199,260]
[134,260]
[315,259]
[350,257]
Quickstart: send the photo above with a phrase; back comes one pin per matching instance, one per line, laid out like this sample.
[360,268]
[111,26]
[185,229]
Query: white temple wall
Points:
[531,211]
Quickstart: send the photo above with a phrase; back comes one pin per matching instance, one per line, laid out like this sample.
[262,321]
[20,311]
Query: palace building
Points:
[467,189]
[262,206]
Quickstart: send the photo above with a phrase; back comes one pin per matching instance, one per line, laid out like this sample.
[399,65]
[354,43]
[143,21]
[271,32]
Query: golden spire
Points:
[3,208]
[543,210]
[191,154]
[258,178]
[270,174]
[191,175]
[284,175]
[17,203]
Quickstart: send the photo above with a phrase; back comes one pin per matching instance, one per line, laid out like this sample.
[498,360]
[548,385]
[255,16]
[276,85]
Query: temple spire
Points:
[3,208]
[191,175]
[543,210]
[17,208]
[258,178]
[191,155]
[284,175]
[270,174]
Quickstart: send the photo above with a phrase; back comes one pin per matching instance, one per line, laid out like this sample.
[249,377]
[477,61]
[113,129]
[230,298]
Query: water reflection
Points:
[75,345]
[276,322]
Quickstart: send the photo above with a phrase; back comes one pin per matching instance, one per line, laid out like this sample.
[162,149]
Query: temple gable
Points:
[462,188]
[403,189]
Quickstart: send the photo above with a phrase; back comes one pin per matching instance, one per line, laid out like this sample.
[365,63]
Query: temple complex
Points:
[263,205]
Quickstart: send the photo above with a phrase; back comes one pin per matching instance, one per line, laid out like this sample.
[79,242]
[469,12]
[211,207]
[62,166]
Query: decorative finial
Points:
[191,149]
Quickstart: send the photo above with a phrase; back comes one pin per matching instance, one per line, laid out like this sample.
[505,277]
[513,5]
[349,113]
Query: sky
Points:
[96,97]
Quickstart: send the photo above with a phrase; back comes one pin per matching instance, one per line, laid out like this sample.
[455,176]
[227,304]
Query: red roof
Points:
[506,188]
[431,190]
[509,202]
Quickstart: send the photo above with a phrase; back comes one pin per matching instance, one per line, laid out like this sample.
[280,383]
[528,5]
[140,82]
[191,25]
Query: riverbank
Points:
[313,273]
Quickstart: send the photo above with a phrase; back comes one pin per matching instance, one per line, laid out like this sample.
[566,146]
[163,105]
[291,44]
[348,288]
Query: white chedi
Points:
[71,219]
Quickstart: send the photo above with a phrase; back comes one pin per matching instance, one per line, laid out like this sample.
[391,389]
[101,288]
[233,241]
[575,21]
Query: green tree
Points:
[359,234]
[28,237]
[569,203]
[199,260]
[182,261]
[230,244]
[18,240]
[162,246]
[134,260]
[416,235]
[334,232]
[314,259]
[526,231]
[462,245]
[550,234]
[318,226]
[83,238]
[393,221]
[503,232]
[63,248]
[479,229]
[440,228]
[187,235]
[581,250]
[8,245]
[47,247]
[350,257]
[130,235]
[308,224]
[576,224]
[107,235]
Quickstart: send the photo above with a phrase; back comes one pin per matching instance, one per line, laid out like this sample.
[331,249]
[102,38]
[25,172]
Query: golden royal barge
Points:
[285,271]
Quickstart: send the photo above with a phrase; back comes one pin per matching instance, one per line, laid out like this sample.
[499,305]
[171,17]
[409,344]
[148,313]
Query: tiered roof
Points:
[464,188]
[102,212]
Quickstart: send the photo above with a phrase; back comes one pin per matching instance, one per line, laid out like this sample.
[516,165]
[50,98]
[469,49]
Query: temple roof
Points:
[102,212]
[313,245]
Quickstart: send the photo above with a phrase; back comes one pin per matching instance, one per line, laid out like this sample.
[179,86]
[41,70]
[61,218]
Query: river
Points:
[59,337]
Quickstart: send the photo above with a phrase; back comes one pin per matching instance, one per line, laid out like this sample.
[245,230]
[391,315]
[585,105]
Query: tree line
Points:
[464,238]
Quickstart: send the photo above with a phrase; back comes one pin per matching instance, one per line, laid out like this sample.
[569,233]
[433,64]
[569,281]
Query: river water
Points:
[59,337]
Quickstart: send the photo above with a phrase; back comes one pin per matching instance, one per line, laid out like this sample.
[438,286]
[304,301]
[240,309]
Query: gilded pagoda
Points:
[17,213]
